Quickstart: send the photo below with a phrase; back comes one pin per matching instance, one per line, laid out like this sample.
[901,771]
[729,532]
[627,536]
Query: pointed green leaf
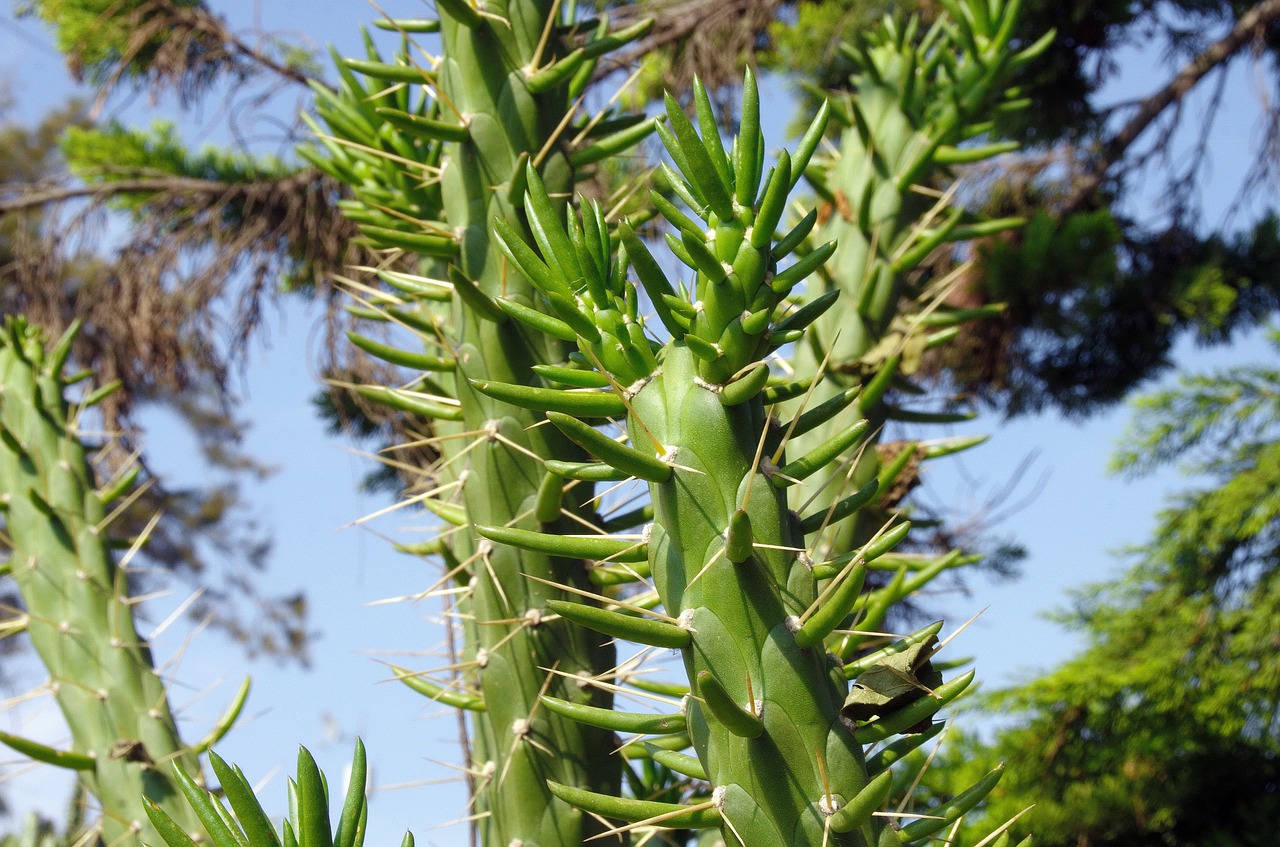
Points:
[681,763]
[655,633]
[739,542]
[841,509]
[574,377]
[822,455]
[674,815]
[422,243]
[726,710]
[746,386]
[630,722]
[313,803]
[809,142]
[747,167]
[803,317]
[249,812]
[429,406]
[857,812]
[698,167]
[353,805]
[784,281]
[438,693]
[773,203]
[948,813]
[834,609]
[627,459]
[173,835]
[914,714]
[403,358]
[476,300]
[526,261]
[585,471]
[584,404]
[59,758]
[597,547]
[539,320]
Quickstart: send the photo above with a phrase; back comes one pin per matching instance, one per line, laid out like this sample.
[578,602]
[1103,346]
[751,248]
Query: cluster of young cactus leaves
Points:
[738,391]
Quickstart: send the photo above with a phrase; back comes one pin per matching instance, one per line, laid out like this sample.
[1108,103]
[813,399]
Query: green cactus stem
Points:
[775,727]
[75,594]
[916,104]
[506,78]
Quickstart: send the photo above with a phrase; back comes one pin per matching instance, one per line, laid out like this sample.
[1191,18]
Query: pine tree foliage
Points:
[1166,729]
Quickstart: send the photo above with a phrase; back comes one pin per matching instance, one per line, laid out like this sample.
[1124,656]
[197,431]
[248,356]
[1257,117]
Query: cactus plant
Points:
[536,318]
[621,357]
[915,103]
[770,715]
[429,174]
[77,609]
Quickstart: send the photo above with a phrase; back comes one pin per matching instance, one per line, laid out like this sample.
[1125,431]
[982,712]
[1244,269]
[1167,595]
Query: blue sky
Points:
[1069,528]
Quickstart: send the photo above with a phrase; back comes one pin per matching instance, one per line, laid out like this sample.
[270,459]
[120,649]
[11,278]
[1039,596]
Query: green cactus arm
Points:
[888,188]
[505,80]
[770,716]
[79,617]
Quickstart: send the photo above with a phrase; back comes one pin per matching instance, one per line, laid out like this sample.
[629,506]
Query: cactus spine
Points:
[76,598]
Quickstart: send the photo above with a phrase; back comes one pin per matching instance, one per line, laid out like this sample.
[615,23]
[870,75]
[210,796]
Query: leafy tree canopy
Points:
[1166,729]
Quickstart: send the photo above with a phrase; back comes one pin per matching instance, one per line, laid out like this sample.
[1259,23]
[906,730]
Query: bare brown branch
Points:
[709,39]
[1249,27]
[183,48]
[33,196]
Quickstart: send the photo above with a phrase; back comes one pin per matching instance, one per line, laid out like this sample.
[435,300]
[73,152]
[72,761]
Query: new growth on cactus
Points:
[246,823]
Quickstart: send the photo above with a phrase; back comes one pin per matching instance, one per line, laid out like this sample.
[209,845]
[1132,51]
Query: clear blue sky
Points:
[1069,529]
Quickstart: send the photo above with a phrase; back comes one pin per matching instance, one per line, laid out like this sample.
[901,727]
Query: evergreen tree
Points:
[1165,730]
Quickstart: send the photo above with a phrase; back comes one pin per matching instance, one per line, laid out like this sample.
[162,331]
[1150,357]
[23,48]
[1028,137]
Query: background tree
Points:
[209,237]
[1166,729]
[1126,283]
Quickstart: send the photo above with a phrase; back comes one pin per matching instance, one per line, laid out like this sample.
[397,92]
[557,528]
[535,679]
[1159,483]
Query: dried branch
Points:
[1251,25]
[32,196]
[181,47]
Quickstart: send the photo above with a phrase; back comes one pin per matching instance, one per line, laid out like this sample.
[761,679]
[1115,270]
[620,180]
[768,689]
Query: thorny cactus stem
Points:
[889,189]
[497,77]
[78,611]
[500,103]
[778,734]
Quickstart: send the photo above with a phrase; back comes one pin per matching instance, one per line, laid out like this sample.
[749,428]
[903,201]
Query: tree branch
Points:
[1250,26]
[32,196]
